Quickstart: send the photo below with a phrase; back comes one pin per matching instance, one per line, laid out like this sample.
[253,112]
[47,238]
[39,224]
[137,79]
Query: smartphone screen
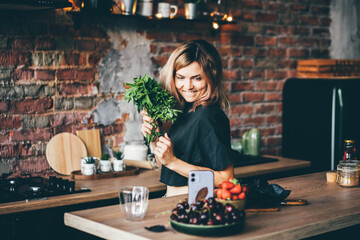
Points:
[201,185]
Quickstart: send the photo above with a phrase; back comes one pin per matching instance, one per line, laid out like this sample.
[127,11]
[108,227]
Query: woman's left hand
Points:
[164,150]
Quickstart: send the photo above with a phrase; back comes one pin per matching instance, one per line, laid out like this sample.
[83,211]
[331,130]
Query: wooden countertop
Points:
[330,207]
[103,189]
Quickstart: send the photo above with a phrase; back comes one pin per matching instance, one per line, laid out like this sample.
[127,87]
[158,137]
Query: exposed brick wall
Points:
[49,75]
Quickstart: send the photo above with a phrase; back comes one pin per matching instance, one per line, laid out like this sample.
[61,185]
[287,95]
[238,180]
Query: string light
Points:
[215,25]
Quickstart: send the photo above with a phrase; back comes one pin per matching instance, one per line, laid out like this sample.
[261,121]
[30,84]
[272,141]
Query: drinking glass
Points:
[134,202]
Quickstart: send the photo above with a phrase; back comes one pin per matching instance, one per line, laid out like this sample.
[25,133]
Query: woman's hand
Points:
[146,127]
[164,150]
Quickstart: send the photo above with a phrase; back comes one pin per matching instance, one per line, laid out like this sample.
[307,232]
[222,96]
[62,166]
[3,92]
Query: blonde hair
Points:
[208,57]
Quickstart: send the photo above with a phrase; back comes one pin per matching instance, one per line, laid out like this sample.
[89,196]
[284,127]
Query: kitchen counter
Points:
[330,208]
[103,189]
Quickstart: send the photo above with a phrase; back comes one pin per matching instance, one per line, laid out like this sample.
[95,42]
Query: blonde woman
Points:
[200,138]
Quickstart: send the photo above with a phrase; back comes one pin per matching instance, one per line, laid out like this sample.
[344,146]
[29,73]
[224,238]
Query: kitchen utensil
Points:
[64,152]
[125,7]
[294,202]
[146,8]
[191,10]
[166,10]
[92,141]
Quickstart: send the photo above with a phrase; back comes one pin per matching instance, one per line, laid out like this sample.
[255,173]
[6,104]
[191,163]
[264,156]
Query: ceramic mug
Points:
[164,10]
[190,10]
[146,8]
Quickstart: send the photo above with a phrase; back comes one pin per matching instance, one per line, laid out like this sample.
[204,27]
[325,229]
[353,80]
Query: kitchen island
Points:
[330,207]
[103,189]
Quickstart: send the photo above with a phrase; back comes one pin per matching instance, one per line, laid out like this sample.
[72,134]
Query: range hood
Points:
[33,4]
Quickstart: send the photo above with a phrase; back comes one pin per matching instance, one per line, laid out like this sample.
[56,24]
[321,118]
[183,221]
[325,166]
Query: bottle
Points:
[349,150]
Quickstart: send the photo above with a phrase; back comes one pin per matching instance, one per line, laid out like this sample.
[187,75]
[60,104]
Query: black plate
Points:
[205,230]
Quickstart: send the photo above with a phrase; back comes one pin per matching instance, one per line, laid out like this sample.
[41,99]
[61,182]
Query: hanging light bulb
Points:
[215,25]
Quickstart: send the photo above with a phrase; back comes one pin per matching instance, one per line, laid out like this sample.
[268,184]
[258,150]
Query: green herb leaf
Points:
[148,94]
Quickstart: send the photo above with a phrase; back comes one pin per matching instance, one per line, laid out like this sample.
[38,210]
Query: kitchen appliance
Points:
[318,115]
[33,4]
[29,188]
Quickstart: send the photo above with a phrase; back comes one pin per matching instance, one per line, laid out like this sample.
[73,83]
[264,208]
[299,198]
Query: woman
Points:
[200,138]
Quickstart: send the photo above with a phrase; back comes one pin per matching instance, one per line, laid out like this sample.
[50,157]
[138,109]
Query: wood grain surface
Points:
[108,188]
[64,152]
[92,141]
[330,207]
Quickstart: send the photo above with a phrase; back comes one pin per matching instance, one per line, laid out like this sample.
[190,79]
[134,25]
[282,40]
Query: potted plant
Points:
[105,163]
[118,162]
[88,165]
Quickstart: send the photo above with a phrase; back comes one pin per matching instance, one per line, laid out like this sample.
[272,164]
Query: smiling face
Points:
[190,82]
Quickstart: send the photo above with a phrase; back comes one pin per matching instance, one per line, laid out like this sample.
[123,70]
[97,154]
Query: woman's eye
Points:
[198,79]
[179,77]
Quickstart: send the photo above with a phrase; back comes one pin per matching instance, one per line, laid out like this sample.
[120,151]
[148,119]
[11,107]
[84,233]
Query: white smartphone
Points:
[201,185]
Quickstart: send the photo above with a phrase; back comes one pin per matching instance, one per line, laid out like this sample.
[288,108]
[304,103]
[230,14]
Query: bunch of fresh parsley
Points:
[147,93]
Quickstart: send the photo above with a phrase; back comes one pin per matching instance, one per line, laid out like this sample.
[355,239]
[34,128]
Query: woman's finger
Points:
[165,141]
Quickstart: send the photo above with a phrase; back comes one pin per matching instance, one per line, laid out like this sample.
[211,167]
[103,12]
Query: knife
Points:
[294,202]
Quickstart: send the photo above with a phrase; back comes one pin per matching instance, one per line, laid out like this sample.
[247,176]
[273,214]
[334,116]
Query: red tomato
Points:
[234,197]
[227,185]
[241,195]
[236,189]
[219,193]
[244,189]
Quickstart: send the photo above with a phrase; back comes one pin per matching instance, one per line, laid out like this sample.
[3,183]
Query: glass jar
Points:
[348,173]
[135,150]
[349,150]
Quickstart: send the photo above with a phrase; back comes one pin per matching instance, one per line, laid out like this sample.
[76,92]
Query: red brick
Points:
[231,75]
[160,36]
[166,49]
[273,96]
[252,96]
[86,74]
[85,45]
[309,42]
[34,134]
[35,164]
[9,151]
[277,30]
[234,122]
[23,73]
[326,22]
[60,119]
[320,53]
[78,89]
[103,45]
[265,108]
[237,39]
[44,44]
[320,10]
[288,41]
[255,120]
[277,52]
[45,74]
[268,131]
[229,50]
[293,52]
[254,74]
[234,98]
[65,74]
[309,20]
[232,28]
[118,128]
[258,52]
[245,109]
[266,85]
[10,122]
[153,48]
[277,74]
[249,16]
[273,119]
[275,6]
[321,31]
[265,40]
[14,58]
[72,59]
[298,8]
[302,31]
[22,44]
[274,140]
[242,86]
[287,63]
[108,130]
[242,63]
[247,4]
[4,106]
[266,17]
[94,59]
[159,61]
[28,106]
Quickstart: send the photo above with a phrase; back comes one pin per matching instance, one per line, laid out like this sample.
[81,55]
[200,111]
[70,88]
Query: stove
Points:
[28,188]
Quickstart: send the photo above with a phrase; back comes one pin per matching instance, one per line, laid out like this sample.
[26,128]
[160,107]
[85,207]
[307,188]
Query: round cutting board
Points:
[64,152]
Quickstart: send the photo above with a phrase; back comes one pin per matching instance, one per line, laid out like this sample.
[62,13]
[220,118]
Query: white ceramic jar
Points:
[135,150]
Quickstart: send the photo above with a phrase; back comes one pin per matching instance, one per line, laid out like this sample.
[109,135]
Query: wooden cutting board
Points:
[92,141]
[64,152]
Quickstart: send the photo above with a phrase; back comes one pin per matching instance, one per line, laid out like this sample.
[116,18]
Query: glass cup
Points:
[134,202]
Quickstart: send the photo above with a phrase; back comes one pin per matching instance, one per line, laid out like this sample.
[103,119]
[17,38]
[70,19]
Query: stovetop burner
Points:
[30,188]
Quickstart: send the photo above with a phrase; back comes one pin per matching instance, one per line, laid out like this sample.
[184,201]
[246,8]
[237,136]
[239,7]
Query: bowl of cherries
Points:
[207,217]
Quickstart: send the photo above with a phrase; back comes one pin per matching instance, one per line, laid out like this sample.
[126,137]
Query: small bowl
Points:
[239,204]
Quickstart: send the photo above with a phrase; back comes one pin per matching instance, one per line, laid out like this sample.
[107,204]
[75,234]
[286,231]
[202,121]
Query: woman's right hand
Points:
[146,127]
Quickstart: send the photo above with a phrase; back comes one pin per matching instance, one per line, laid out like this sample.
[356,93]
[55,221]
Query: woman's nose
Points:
[188,84]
